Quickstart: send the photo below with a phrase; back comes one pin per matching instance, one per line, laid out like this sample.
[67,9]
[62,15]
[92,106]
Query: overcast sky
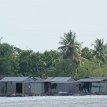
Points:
[39,24]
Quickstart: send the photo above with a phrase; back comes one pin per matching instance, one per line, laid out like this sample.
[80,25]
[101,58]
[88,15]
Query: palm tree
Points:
[100,49]
[69,46]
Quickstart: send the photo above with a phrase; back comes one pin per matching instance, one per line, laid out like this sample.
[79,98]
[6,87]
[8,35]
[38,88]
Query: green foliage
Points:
[86,53]
[100,49]
[90,68]
[63,68]
[92,62]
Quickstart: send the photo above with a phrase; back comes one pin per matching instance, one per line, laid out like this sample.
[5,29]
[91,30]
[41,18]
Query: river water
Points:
[55,101]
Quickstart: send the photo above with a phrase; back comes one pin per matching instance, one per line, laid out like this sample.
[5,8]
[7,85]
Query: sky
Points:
[39,24]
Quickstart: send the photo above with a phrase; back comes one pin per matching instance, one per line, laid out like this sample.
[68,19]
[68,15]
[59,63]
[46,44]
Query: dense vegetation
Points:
[69,60]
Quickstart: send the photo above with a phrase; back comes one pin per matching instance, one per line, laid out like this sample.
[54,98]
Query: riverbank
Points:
[53,101]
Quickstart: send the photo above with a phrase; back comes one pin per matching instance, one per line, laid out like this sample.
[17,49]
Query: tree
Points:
[6,49]
[48,59]
[65,67]
[100,49]
[9,64]
[86,53]
[70,47]
[25,62]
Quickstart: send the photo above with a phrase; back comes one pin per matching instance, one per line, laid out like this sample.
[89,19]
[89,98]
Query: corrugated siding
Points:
[69,88]
[26,88]
[37,88]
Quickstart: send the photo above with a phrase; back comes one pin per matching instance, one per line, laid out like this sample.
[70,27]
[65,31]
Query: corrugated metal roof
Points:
[92,79]
[49,78]
[59,79]
[68,82]
[21,79]
[17,79]
[37,79]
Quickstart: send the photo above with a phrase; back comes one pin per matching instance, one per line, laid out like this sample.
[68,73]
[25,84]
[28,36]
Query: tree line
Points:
[71,59]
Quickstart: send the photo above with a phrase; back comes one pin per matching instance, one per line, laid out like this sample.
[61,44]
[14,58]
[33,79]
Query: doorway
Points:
[18,87]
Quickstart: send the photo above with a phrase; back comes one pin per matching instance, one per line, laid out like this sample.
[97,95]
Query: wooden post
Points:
[23,93]
[99,86]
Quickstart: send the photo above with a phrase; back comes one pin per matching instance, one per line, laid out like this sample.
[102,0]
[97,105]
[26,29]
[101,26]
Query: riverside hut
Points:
[60,86]
[15,86]
[93,85]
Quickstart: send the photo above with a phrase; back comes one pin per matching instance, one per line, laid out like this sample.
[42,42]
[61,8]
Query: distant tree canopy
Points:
[71,59]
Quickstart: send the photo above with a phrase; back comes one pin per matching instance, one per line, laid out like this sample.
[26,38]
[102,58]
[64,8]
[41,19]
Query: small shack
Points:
[60,86]
[15,86]
[93,85]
